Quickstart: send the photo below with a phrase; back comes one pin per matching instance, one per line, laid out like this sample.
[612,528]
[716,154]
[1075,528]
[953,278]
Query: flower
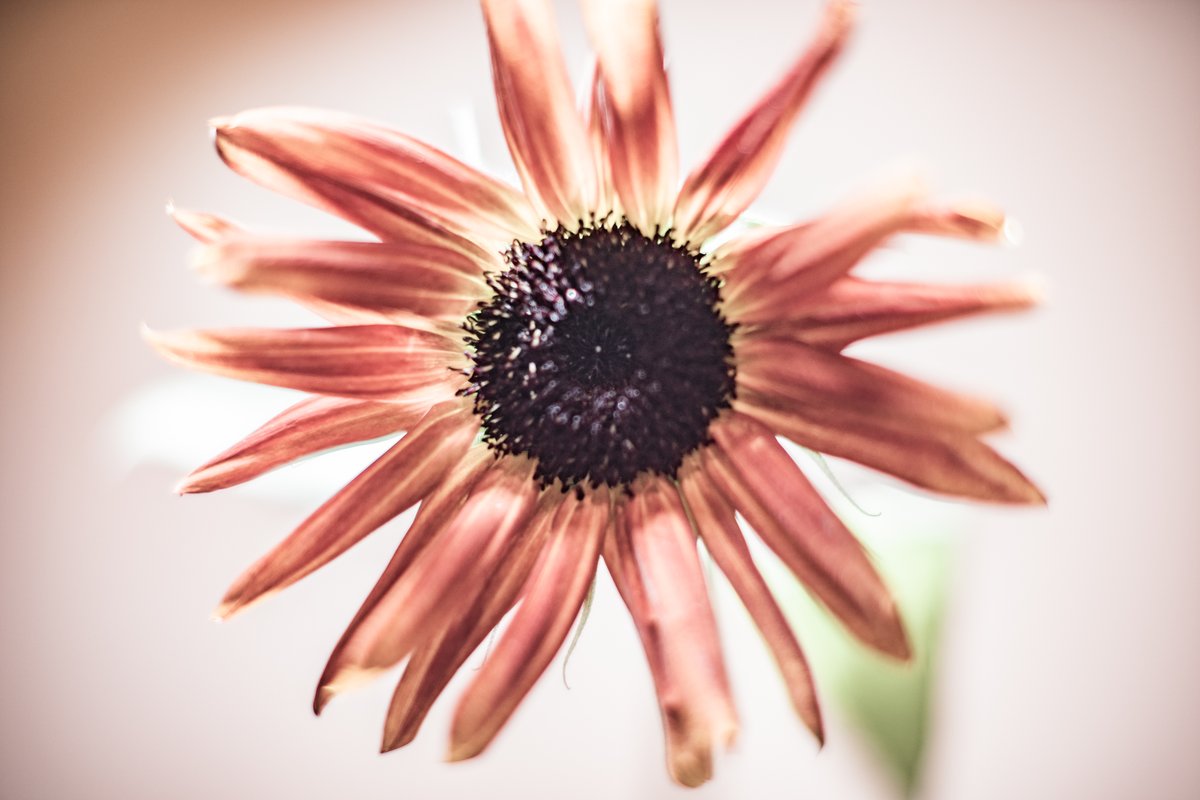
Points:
[581,376]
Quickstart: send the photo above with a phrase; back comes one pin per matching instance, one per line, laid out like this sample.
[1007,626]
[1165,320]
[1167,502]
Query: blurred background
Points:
[1059,649]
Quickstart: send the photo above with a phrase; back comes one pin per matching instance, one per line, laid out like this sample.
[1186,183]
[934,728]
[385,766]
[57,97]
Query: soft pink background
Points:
[1073,647]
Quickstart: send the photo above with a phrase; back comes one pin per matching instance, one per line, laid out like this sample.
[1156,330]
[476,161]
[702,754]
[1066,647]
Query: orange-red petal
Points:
[725,184]
[443,580]
[545,133]
[553,597]
[310,426]
[949,462]
[723,539]
[434,663]
[395,481]
[635,108]
[373,362]
[797,377]
[304,147]
[851,309]
[651,555]
[387,279]
[762,482]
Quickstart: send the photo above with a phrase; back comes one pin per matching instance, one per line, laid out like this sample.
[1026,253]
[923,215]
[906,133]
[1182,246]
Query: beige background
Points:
[1073,648]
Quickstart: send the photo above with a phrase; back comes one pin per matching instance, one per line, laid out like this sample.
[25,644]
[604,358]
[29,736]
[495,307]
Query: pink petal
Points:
[434,663]
[545,133]
[948,462]
[378,362]
[635,107]
[651,555]
[553,597]
[310,426]
[723,187]
[769,273]
[389,279]
[398,479]
[797,377]
[593,117]
[444,579]
[977,220]
[389,219]
[852,309]
[723,540]
[762,482]
[204,227]
[436,511]
[301,145]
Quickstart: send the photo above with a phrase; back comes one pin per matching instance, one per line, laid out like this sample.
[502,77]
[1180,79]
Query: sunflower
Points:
[580,375]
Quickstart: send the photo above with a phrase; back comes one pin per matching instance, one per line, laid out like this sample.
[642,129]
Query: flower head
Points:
[580,376]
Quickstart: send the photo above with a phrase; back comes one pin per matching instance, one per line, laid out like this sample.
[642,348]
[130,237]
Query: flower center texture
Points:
[602,354]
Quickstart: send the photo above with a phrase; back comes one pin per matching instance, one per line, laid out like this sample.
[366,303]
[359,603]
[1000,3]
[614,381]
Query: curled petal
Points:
[312,425]
[434,663]
[762,482]
[651,555]
[394,482]
[949,462]
[722,187]
[443,580]
[797,376]
[302,144]
[635,108]
[723,539]
[553,597]
[388,279]
[545,133]
[852,309]
[375,362]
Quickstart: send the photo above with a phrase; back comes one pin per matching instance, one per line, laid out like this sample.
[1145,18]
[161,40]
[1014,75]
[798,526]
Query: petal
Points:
[635,108]
[434,663]
[252,156]
[366,361]
[394,482]
[724,185]
[312,425]
[723,539]
[303,144]
[768,273]
[444,580]
[762,482]
[651,555]
[593,117]
[852,309]
[436,511]
[545,133]
[204,227]
[388,279]
[948,462]
[553,597]
[797,377]
[977,220]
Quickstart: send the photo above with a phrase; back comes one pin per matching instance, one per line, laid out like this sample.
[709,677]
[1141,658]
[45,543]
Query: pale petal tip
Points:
[220,124]
[461,750]
[1012,233]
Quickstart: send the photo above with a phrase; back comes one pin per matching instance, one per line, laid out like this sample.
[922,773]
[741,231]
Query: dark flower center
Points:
[602,355]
